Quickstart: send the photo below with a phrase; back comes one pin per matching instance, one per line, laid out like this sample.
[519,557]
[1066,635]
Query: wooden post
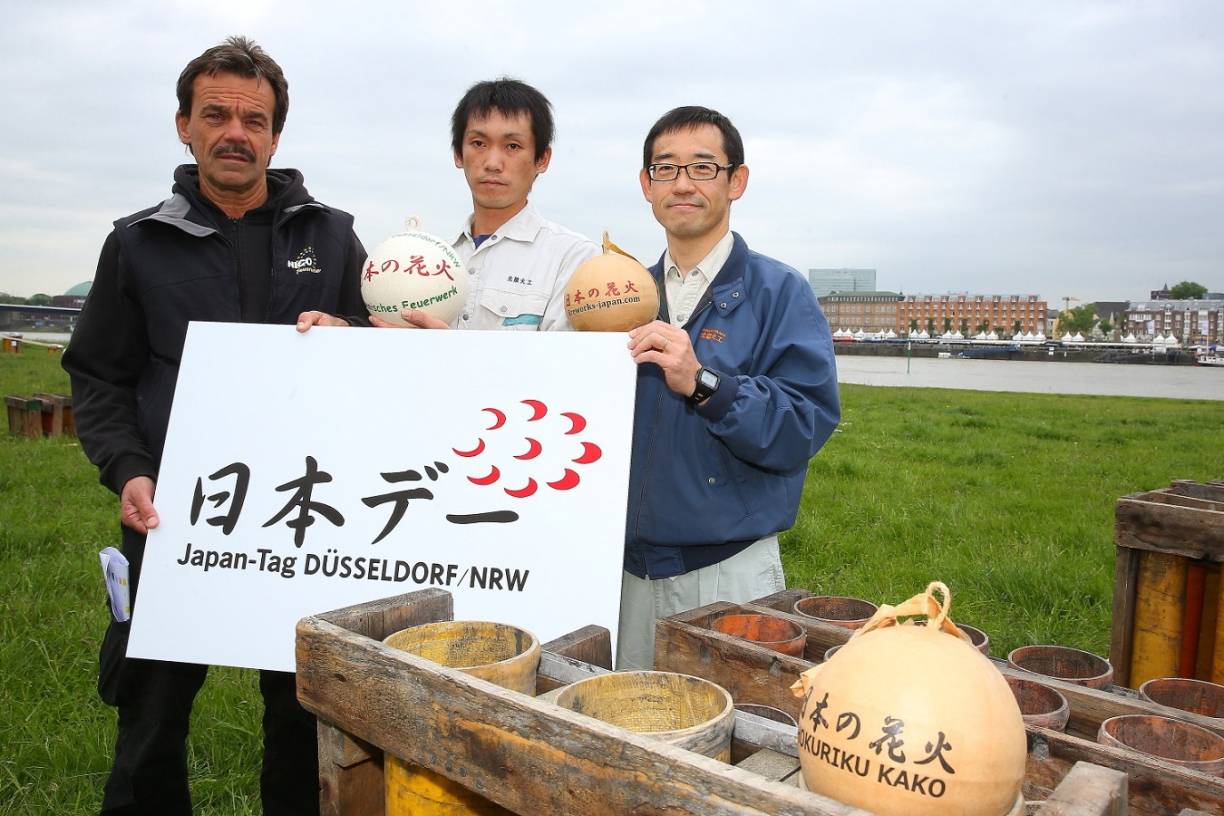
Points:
[52,414]
[591,645]
[351,771]
[69,420]
[350,775]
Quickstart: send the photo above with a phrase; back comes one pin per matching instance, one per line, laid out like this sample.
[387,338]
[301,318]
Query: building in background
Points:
[870,311]
[1112,312]
[826,281]
[56,313]
[1192,322]
[74,297]
[968,314]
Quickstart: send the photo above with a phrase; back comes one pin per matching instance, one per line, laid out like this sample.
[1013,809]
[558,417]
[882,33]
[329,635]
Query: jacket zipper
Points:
[236,247]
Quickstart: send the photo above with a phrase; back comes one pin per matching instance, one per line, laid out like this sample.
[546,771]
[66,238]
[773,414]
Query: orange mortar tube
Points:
[1217,660]
[1160,607]
[1196,576]
[1209,630]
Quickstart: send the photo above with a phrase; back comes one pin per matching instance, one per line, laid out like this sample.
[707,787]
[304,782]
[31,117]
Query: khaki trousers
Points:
[749,574]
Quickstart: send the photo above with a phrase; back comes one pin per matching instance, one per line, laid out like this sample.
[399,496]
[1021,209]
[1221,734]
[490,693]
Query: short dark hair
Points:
[689,117]
[241,56]
[509,97]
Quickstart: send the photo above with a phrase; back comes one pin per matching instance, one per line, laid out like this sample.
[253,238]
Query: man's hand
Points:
[307,319]
[668,347]
[136,504]
[415,318]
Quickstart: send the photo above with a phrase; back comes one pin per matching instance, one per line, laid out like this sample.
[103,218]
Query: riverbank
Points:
[1113,353]
[1024,377]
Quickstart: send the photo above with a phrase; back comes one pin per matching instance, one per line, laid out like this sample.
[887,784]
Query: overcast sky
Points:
[1062,148]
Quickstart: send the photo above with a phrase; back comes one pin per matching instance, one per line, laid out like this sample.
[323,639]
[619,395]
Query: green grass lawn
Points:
[1006,498]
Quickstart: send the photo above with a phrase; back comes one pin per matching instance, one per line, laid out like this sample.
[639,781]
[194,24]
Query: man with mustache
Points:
[518,262]
[235,242]
[737,389]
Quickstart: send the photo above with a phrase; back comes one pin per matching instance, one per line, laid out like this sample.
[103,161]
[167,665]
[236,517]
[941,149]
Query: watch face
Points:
[708,379]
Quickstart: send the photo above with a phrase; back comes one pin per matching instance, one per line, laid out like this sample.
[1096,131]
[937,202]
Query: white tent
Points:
[992,336]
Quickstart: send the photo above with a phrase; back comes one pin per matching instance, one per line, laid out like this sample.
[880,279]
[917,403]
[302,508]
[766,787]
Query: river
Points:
[1026,376]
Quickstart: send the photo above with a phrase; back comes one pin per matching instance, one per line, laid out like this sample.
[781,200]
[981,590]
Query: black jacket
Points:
[181,261]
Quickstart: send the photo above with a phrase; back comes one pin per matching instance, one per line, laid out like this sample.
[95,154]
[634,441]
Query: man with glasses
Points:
[737,389]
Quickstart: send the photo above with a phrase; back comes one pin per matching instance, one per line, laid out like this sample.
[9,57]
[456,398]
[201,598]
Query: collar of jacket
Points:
[524,226]
[178,210]
[726,291]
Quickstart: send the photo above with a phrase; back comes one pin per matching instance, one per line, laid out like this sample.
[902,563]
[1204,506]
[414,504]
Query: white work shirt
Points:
[684,291]
[517,276]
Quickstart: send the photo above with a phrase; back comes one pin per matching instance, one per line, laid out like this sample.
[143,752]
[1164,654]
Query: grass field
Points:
[1009,501]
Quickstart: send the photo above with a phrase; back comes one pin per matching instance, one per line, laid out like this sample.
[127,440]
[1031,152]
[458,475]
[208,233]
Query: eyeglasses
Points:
[697,171]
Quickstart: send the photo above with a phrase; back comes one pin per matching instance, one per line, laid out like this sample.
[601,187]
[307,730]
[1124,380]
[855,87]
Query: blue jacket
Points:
[705,483]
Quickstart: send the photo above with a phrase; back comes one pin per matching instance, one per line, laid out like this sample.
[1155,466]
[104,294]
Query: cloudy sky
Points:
[1061,148]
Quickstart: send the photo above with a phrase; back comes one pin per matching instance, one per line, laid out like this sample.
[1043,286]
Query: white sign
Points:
[304,473]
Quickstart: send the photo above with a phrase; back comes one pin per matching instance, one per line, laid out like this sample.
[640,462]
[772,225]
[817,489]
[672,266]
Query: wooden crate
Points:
[1168,618]
[40,415]
[532,757]
[754,674]
[24,416]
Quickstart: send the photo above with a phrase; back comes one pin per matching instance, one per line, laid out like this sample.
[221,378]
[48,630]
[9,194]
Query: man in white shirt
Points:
[518,263]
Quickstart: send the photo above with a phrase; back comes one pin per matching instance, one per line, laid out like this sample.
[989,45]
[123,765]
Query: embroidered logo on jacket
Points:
[305,262]
[713,334]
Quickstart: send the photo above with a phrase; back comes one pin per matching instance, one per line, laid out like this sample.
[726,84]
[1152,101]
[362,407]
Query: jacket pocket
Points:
[734,472]
[520,311]
[111,659]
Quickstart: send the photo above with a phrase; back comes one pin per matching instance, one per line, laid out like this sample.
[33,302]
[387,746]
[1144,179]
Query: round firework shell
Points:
[912,720]
[611,292]
[414,270]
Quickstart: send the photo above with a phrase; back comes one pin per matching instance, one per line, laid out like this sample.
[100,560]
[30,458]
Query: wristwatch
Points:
[707,384]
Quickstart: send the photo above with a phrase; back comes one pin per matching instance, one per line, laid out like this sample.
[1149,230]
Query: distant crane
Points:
[1066,309]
